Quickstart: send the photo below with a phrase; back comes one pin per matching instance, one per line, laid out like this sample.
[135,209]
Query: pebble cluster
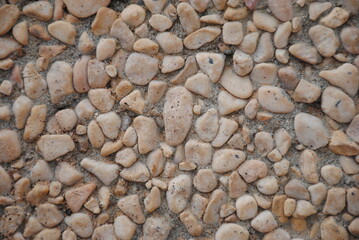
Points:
[191,119]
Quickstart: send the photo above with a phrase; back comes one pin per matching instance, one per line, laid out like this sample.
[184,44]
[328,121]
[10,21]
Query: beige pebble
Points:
[199,84]
[207,125]
[310,131]
[264,73]
[264,142]
[63,31]
[35,124]
[67,119]
[110,124]
[217,199]
[155,162]
[35,85]
[76,197]
[104,231]
[283,9]
[306,92]
[37,194]
[249,43]
[296,189]
[8,46]
[289,207]
[138,172]
[6,185]
[200,37]
[85,43]
[80,74]
[198,152]
[178,193]
[282,55]
[348,165]
[101,99]
[251,109]
[41,171]
[331,174]
[103,21]
[11,219]
[205,180]
[21,187]
[341,144]
[124,227]
[192,225]
[335,201]
[226,128]
[49,233]
[171,63]
[129,138]
[288,77]
[188,17]
[21,33]
[305,52]
[10,145]
[133,15]
[81,224]
[274,99]
[5,113]
[6,64]
[251,170]
[236,185]
[274,155]
[349,37]
[242,63]
[130,205]
[308,161]
[211,64]
[40,32]
[146,46]
[317,8]
[264,222]
[106,172]
[156,90]
[265,21]
[142,31]
[59,80]
[268,185]
[169,42]
[123,89]
[111,147]
[198,205]
[282,35]
[49,215]
[264,51]
[153,200]
[352,201]
[124,35]
[304,209]
[105,48]
[240,87]
[9,14]
[69,235]
[212,19]
[330,229]
[84,110]
[84,9]
[189,69]
[41,10]
[232,33]
[32,227]
[144,75]
[337,17]
[235,14]
[67,174]
[160,22]
[6,87]
[353,227]
[126,157]
[111,70]
[246,207]
[318,193]
[54,146]
[324,40]
[95,134]
[156,228]
[230,231]
[227,159]
[147,132]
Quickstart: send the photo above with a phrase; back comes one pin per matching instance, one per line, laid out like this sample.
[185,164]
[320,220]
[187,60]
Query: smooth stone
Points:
[35,85]
[242,63]
[306,92]
[265,50]
[341,144]
[228,104]
[353,227]
[265,21]
[5,184]
[226,128]
[146,46]
[207,125]
[190,68]
[212,212]
[156,90]
[264,73]
[268,185]
[308,161]
[274,99]
[249,43]
[80,74]
[95,134]
[110,124]
[133,15]
[160,22]
[310,131]
[105,48]
[41,171]
[318,193]
[211,64]
[231,231]
[169,42]
[85,8]
[264,222]
[305,52]
[124,35]
[103,21]
[54,146]
[101,99]
[232,33]
[9,14]
[130,205]
[350,39]
[35,124]
[331,174]
[335,201]
[178,193]
[247,207]
[289,77]
[66,118]
[11,219]
[330,229]
[138,172]
[76,197]
[281,9]
[201,37]
[227,160]
[353,129]
[67,174]
[124,228]
[199,84]
[212,19]
[352,201]
[198,152]
[171,63]
[106,172]
[188,17]
[304,209]
[205,180]
[40,10]
[145,74]
[8,46]
[49,215]
[282,35]
[317,8]
[324,40]
[296,189]
[156,228]
[59,81]
[240,87]
[251,170]
[104,231]
[81,224]
[10,145]
[63,31]
[337,17]
[147,132]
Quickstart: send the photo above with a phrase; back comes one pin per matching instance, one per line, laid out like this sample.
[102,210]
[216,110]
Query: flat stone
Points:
[80,74]
[283,9]
[232,33]
[240,87]
[318,193]
[11,219]
[105,48]
[147,132]
[198,152]
[10,145]
[156,228]
[188,17]
[249,43]
[217,199]
[308,161]
[264,73]
[84,9]
[251,170]
[268,185]
[247,207]
[146,46]
[265,21]
[349,165]
[95,135]
[228,231]
[106,172]
[21,109]
[205,180]
[335,201]
[349,37]
[133,15]
[5,184]
[278,233]
[305,52]
[156,90]
[282,35]
[101,99]
[207,125]
[274,99]
[76,197]
[310,131]
[324,40]
[337,17]
[59,81]
[35,124]
[211,64]
[242,63]
[199,84]
[8,46]
[124,227]
[346,77]
[66,118]
[104,231]
[32,227]
[8,16]
[40,10]
[306,92]
[331,174]
[330,229]
[296,189]
[200,37]
[304,209]
[228,104]
[153,200]
[265,50]
[130,205]
[155,162]
[81,224]
[289,77]
[171,63]
[35,85]
[341,144]
[317,8]
[145,74]
[54,146]
[169,42]
[264,222]
[103,21]
[49,215]
[190,68]
[110,124]
[178,193]
[352,201]
[121,31]
[338,105]
[63,31]
[138,172]
[67,174]
[160,22]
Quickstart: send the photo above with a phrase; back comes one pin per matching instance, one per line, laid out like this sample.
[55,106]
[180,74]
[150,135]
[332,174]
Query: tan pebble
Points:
[123,89]
[130,137]
[349,37]
[84,110]
[274,155]
[126,157]
[211,64]
[32,227]
[54,146]
[353,227]
[240,87]
[59,81]
[178,193]
[105,48]
[264,73]
[235,14]
[278,207]
[251,109]
[341,144]
[5,113]
[283,9]
[80,75]
[306,92]
[6,182]
[84,9]
[282,55]
[63,31]
[199,84]
[264,222]
[58,10]
[49,233]
[111,70]
[330,229]
[242,63]
[21,187]
[289,207]
[81,224]
[156,228]
[212,19]
[207,125]
[111,147]
[169,42]
[296,189]
[288,77]
[232,33]
[198,152]
[41,171]
[39,31]
[35,124]
[146,46]
[21,109]
[8,46]
[246,207]
[101,99]
[156,90]
[236,185]
[147,133]
[189,69]
[265,50]
[55,188]
[153,200]
[67,119]
[304,209]
[38,193]
[41,10]
[217,199]
[6,64]
[348,165]
[311,131]
[133,15]
[282,35]
[171,63]
[35,85]
[324,40]
[297,24]
[227,160]
[106,172]
[268,185]
[337,17]
[130,205]
[198,205]
[21,33]
[76,197]
[200,37]
[251,170]
[335,201]
[352,201]
[274,99]
[317,8]
[318,193]
[226,128]
[265,21]
[138,172]
[104,231]
[49,215]
[155,162]
[124,227]
[264,143]
[144,75]
[229,231]
[133,102]
[9,14]
[305,52]
[249,43]
[188,17]
[160,22]
[85,44]
[6,87]
[102,23]
[124,35]
[331,174]
[110,124]
[192,225]
[308,162]
[205,180]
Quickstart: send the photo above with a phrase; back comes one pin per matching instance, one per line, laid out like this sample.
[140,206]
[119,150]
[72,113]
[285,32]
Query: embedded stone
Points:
[143,75]
[178,193]
[324,40]
[240,87]
[84,8]
[41,10]
[9,14]
[200,37]
[188,17]
[305,52]
[121,31]
[147,132]
[54,146]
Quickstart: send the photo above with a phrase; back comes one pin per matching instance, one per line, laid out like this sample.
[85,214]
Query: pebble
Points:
[10,145]
[130,205]
[171,63]
[156,228]
[264,143]
[169,42]
[264,73]
[330,229]
[296,189]
[6,63]
[310,131]
[67,119]
[349,37]
[5,186]
[147,132]
[231,231]
[49,215]
[67,174]
[188,17]
[251,109]
[160,22]
[35,85]
[84,110]
[9,14]
[353,227]
[249,43]
[318,193]
[156,90]
[232,33]
[265,21]
[41,171]
[226,128]
[153,200]
[110,124]
[126,157]
[324,40]
[341,144]
[178,193]
[226,160]
[138,172]
[205,180]
[306,92]
[211,64]
[54,146]
[216,200]
[246,207]
[283,9]
[268,185]
[337,105]
[240,87]
[124,227]
[317,8]
[155,6]
[251,170]
[84,9]
[124,35]
[337,17]
[39,31]
[200,37]
[348,75]
[85,44]
[143,75]
[304,209]
[104,231]
[76,197]
[32,227]
[190,68]
[40,10]
[305,52]
[228,104]
[289,207]
[308,161]
[35,124]
[348,165]
[212,19]
[288,77]
[5,113]
[50,234]
[331,174]
[282,55]
[236,185]
[155,162]
[8,46]
[106,172]
[123,89]
[264,51]
[133,15]
[274,99]
[63,31]
[282,35]
[191,223]
[198,152]
[264,222]
[81,74]
[101,99]
[81,224]
[352,201]
[11,219]
[105,48]
[199,84]
[146,46]
[95,134]
[242,63]
[207,125]
[103,21]
[59,81]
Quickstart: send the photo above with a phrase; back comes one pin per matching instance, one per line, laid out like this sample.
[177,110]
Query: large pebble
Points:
[317,8]
[251,170]
[306,92]
[207,125]
[308,162]
[105,48]
[226,128]
[282,35]
[249,43]
[205,180]
[76,197]
[324,40]
[169,42]
[227,160]
[198,152]
[147,132]
[242,63]
[143,75]
[305,52]
[228,104]
[80,76]
[34,84]
[264,222]
[85,44]
[200,37]
[171,63]
[310,131]
[67,174]
[304,209]
[350,39]
[41,171]
[345,76]
[11,219]
[130,205]
[133,15]
[330,229]
[178,193]
[338,105]
[231,231]
[296,189]
[353,129]
[10,145]
[106,172]
[5,184]
[124,228]
[331,174]
[101,99]
[8,46]
[49,215]
[102,23]
[138,172]
[9,14]
[337,17]
[63,31]
[146,46]
[41,10]
[335,201]
[125,36]
[85,8]
[264,73]
[110,124]
[188,17]
[54,146]
[35,124]
[265,21]
[81,224]
[177,115]
[49,233]
[265,50]
[247,207]
[274,99]
[59,81]
[190,68]
[211,64]
[240,87]
[281,9]
[268,185]
[217,199]
[199,84]
[160,22]
[232,33]
[341,144]
[156,228]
